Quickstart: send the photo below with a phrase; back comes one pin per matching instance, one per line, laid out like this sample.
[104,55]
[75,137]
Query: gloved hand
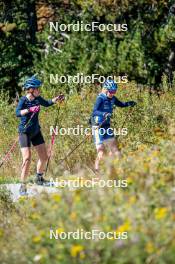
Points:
[34,109]
[58,98]
[107,115]
[132,103]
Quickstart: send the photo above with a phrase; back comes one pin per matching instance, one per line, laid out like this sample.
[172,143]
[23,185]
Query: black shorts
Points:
[25,140]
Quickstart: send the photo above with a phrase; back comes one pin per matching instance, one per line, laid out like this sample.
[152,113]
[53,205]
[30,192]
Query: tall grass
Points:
[145,209]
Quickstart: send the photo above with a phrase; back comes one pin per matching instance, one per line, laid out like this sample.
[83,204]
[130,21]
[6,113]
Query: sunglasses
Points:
[112,92]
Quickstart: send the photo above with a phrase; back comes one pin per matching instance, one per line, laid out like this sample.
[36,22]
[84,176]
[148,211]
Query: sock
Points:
[39,175]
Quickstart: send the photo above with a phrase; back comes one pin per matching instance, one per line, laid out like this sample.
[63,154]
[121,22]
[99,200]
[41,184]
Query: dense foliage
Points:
[144,52]
[145,209]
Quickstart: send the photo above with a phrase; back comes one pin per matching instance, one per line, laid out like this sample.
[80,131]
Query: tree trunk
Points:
[32,20]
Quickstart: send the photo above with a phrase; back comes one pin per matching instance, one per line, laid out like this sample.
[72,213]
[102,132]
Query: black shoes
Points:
[39,180]
[23,189]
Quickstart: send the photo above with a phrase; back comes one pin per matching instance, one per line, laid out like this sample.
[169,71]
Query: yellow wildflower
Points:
[132,200]
[146,165]
[155,153]
[36,239]
[33,203]
[77,197]
[35,216]
[129,180]
[126,226]
[73,216]
[60,230]
[75,250]
[22,199]
[56,197]
[160,213]
[141,147]
[149,248]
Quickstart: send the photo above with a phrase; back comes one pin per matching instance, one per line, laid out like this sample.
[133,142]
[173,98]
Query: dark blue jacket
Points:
[105,105]
[24,103]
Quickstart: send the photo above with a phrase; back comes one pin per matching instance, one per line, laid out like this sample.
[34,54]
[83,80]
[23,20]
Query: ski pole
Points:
[7,155]
[84,140]
[52,142]
[77,146]
[53,135]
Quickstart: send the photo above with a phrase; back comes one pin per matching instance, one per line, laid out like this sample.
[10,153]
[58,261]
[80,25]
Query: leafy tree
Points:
[145,52]
[17,36]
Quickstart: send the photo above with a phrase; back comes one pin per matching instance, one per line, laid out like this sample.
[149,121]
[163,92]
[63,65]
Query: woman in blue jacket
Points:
[29,130]
[100,120]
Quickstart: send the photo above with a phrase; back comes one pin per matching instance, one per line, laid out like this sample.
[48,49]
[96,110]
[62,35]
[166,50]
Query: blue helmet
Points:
[32,82]
[110,85]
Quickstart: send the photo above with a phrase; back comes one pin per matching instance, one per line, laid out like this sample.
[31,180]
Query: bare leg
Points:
[43,157]
[113,149]
[26,155]
[100,154]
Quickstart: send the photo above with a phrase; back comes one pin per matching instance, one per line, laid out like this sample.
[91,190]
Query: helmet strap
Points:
[31,92]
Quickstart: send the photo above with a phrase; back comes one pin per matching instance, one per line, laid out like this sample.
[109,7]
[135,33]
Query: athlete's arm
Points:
[19,109]
[123,104]
[96,111]
[45,103]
